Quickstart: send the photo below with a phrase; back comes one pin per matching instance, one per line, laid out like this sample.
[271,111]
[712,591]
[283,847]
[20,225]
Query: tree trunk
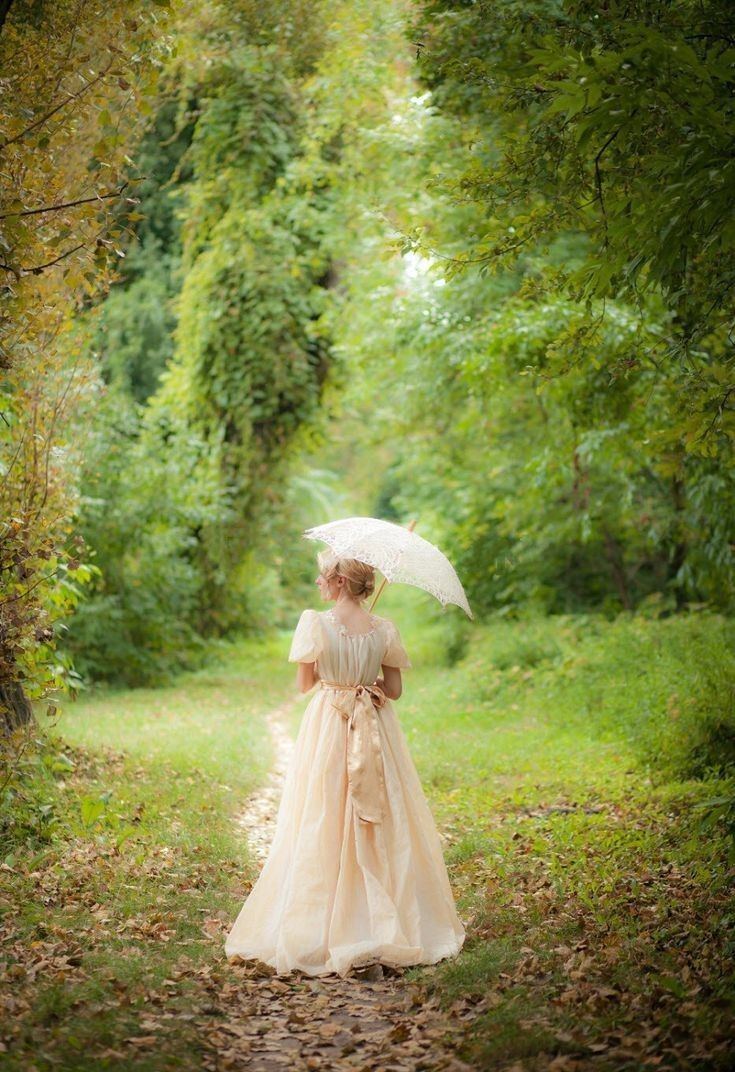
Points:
[680,548]
[5,6]
[617,566]
[15,707]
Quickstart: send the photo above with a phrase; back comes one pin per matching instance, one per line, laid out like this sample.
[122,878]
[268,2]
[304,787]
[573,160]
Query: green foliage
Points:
[245,136]
[260,161]
[616,126]
[133,326]
[63,207]
[557,419]
[560,407]
[139,514]
[214,354]
[533,445]
[132,341]
[33,766]
[664,685]
[624,126]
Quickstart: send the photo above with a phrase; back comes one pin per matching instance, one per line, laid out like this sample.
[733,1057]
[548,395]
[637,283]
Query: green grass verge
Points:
[567,761]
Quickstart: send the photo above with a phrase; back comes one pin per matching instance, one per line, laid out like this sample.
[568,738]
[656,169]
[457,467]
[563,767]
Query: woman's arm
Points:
[390,682]
[306,677]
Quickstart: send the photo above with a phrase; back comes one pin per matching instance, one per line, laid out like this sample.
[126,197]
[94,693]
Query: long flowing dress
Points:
[355,873]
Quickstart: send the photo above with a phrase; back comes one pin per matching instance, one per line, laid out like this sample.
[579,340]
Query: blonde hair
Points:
[359,576]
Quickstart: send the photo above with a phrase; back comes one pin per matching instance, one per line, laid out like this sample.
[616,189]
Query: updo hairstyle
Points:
[359,576]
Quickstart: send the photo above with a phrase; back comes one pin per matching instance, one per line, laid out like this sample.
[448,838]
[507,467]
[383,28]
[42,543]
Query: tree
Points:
[70,110]
[611,130]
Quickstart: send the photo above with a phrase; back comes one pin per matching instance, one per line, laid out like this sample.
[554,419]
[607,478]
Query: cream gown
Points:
[355,872]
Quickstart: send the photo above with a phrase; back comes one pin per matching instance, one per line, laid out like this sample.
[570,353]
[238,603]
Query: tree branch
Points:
[38,268]
[22,595]
[598,176]
[64,204]
[42,119]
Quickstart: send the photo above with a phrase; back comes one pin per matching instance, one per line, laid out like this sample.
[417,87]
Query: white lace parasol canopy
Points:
[398,552]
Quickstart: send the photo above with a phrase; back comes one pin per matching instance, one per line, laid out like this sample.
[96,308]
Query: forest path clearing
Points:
[596,905]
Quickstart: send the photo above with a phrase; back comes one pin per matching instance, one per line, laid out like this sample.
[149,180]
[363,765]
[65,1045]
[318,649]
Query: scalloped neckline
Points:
[342,629]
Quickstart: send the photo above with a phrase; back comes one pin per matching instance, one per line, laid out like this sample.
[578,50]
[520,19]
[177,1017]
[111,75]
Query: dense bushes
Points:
[665,684]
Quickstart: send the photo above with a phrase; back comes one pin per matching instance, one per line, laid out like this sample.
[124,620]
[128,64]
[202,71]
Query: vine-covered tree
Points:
[248,358]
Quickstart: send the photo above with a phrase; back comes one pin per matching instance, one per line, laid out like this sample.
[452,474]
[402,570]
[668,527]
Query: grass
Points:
[562,758]
[116,903]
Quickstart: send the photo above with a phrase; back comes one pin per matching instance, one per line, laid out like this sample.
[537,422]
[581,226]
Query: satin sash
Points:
[359,705]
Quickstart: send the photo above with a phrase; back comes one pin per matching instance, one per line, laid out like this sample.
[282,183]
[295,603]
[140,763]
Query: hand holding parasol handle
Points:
[410,528]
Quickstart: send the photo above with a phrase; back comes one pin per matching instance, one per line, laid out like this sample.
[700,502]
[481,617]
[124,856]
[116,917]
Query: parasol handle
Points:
[410,528]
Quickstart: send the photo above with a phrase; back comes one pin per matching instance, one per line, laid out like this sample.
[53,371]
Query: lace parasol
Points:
[398,552]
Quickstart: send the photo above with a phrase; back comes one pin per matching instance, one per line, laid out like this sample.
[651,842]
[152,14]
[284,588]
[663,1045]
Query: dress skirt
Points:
[338,891]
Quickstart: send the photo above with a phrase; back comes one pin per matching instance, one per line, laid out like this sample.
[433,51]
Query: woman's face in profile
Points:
[326,588]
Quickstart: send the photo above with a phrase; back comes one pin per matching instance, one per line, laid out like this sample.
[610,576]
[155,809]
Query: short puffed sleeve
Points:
[395,653]
[306,643]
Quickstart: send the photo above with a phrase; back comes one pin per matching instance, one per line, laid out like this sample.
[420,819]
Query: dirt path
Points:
[258,817]
[373,1021]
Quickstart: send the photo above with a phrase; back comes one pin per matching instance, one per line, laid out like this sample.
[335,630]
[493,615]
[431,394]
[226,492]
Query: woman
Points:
[355,873]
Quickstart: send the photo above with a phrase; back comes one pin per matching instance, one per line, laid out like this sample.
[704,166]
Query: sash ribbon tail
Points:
[358,704]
